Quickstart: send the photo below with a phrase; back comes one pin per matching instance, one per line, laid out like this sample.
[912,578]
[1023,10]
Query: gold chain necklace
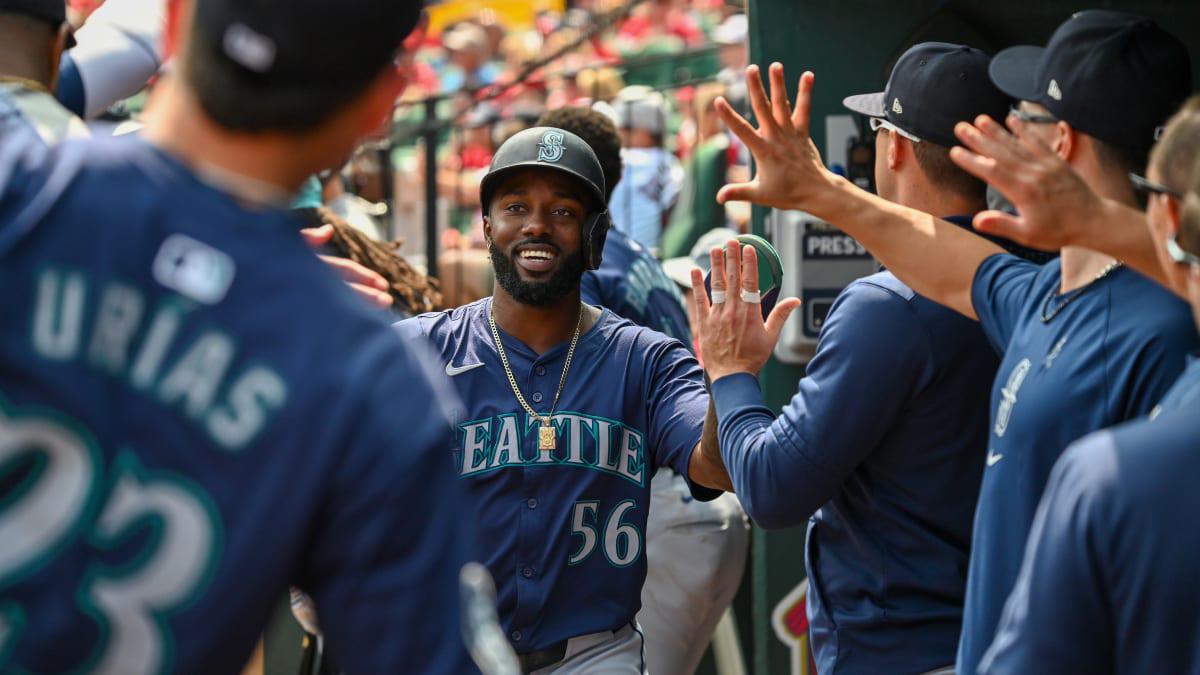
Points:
[546,436]
[25,83]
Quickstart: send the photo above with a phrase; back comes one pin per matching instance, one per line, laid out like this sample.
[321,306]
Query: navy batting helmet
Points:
[557,150]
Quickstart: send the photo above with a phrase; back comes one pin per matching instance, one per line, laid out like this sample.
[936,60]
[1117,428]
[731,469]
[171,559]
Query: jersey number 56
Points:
[622,541]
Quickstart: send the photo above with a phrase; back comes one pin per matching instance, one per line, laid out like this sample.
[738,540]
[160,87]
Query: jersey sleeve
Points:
[999,294]
[1141,378]
[1058,618]
[678,404]
[784,469]
[117,53]
[384,560]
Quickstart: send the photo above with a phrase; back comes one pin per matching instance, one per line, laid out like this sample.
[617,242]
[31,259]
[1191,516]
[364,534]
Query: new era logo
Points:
[896,107]
[1053,91]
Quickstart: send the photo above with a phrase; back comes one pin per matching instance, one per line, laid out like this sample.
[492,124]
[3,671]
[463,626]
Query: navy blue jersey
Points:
[632,283]
[1185,391]
[886,437]
[196,413]
[1107,357]
[562,531]
[1109,581]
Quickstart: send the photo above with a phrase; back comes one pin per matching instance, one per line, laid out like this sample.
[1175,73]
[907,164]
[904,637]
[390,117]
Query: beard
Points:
[561,283]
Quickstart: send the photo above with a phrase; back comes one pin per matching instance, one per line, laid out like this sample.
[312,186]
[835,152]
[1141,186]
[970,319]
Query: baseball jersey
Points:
[196,413]
[562,531]
[650,182]
[1109,355]
[883,447]
[1109,580]
[631,283]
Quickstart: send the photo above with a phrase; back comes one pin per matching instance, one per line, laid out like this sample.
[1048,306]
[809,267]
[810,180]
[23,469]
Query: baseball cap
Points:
[53,11]
[1112,75]
[732,31]
[545,148]
[934,86]
[680,269]
[465,37]
[306,44]
[640,107]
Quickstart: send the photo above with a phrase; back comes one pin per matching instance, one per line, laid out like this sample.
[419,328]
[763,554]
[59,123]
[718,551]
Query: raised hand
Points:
[368,284]
[1054,205]
[731,332]
[789,173]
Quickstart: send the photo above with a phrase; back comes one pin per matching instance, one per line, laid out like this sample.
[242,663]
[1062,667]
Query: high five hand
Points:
[789,173]
[733,337]
[1052,201]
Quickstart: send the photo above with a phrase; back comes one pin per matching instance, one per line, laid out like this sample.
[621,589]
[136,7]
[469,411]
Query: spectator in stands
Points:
[641,205]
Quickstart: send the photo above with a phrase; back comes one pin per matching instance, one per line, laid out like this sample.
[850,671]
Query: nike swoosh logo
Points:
[993,458]
[453,370]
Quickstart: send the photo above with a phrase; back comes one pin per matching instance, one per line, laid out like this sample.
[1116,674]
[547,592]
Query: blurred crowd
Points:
[480,72]
[655,69]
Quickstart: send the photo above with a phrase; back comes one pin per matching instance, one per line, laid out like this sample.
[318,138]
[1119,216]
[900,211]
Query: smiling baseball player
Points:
[569,411]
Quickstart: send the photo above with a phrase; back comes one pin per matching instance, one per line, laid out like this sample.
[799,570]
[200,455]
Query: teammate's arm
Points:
[784,469]
[1055,207]
[119,49]
[706,466]
[937,259]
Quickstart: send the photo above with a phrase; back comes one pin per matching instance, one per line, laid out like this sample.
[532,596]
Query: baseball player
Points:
[883,445]
[569,412]
[176,440]
[696,551]
[1086,342]
[1108,582]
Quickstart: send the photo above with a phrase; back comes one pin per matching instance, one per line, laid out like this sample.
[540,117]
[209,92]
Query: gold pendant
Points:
[546,440]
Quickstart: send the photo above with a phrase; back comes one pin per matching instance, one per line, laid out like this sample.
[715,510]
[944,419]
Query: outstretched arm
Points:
[1055,207]
[936,258]
[706,466]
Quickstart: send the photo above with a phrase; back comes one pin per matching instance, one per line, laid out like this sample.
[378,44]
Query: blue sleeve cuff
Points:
[739,390]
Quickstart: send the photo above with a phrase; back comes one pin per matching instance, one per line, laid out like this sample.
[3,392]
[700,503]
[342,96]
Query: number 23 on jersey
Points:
[59,494]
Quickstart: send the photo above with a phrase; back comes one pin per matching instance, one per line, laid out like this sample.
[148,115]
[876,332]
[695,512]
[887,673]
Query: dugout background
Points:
[851,46]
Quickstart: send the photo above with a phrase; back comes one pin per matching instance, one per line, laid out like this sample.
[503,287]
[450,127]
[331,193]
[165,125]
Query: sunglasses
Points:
[1179,255]
[1146,187]
[878,123]
[1031,118]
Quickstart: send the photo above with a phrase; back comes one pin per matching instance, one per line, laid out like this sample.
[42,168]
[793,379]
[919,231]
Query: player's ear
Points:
[1065,140]
[379,100]
[1171,208]
[894,151]
[487,228]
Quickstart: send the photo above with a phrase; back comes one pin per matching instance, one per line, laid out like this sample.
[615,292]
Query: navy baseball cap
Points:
[52,11]
[1112,75]
[934,86]
[306,44]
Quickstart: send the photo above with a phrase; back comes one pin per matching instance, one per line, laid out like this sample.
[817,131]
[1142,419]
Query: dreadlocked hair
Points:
[411,290]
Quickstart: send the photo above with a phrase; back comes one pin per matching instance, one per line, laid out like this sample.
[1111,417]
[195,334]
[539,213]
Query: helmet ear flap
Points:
[595,232]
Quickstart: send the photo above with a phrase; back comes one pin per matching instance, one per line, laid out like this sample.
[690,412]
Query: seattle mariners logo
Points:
[1008,396]
[550,148]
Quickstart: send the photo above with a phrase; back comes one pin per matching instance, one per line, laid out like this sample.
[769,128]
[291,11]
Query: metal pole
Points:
[430,135]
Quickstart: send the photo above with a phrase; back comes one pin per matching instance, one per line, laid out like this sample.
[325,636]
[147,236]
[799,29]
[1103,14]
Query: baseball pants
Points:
[696,553]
